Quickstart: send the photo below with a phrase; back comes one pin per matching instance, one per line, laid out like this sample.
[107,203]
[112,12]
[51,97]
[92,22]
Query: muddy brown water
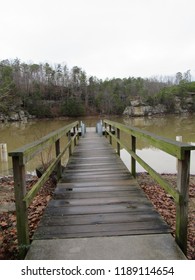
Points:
[18,134]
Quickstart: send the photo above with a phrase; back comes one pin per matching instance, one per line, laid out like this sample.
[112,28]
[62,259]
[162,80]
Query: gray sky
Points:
[106,38]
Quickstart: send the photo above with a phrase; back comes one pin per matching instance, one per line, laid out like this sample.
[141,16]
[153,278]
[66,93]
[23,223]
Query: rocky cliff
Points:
[139,108]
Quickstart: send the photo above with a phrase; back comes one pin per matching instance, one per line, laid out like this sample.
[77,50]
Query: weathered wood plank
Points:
[99,230]
[117,208]
[80,195]
[54,235]
[115,184]
[99,219]
[71,229]
[68,179]
[96,201]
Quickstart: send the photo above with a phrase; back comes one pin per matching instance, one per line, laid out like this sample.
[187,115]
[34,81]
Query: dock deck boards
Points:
[97,196]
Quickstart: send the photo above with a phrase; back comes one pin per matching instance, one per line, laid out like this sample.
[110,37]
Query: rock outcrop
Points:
[15,116]
[139,109]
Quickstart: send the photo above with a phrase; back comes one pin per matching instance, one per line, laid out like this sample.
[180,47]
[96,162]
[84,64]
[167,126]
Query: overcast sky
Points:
[106,38]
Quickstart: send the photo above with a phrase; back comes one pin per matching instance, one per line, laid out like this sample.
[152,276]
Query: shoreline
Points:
[98,116]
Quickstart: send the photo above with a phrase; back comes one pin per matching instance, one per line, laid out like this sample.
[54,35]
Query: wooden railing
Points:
[177,149]
[19,159]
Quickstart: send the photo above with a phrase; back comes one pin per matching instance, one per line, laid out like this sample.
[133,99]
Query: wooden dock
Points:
[98,197]
[98,207]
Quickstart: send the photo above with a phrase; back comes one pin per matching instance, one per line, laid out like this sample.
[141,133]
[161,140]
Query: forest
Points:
[46,90]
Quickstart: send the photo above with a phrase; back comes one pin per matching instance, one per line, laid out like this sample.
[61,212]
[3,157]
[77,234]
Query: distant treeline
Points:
[48,90]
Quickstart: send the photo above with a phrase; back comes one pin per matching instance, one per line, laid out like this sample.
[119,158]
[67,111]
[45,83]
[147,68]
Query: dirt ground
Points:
[161,201]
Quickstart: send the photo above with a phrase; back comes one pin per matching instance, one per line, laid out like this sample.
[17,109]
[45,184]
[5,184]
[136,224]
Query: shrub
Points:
[72,108]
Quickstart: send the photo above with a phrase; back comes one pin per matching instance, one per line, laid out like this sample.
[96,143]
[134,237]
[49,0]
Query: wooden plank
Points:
[54,235]
[92,160]
[68,178]
[96,201]
[129,183]
[83,229]
[107,218]
[99,230]
[96,164]
[103,227]
[96,189]
[96,172]
[97,168]
[118,208]
[80,195]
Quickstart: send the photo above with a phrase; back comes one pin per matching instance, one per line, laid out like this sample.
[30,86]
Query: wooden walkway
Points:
[97,197]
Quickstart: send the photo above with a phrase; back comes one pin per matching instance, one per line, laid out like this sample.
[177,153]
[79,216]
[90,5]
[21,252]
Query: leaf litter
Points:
[8,232]
[165,205]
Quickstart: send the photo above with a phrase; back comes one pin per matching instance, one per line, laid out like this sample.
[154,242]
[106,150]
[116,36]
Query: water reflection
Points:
[167,126]
[158,160]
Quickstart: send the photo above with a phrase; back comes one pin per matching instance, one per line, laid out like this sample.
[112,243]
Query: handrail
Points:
[28,151]
[19,159]
[177,149]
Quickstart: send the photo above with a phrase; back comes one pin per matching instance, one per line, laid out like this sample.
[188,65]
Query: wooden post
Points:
[21,209]
[99,128]
[78,132]
[133,161]
[110,130]
[70,147]
[178,138]
[83,129]
[105,130]
[74,132]
[59,167]
[3,150]
[118,145]
[182,206]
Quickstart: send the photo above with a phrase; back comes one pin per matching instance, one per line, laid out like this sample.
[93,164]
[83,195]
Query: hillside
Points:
[44,90]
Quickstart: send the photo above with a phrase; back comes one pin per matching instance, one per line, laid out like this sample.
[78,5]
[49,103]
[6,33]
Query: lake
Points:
[18,134]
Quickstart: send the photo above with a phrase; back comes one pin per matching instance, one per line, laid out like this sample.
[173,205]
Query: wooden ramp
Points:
[98,197]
